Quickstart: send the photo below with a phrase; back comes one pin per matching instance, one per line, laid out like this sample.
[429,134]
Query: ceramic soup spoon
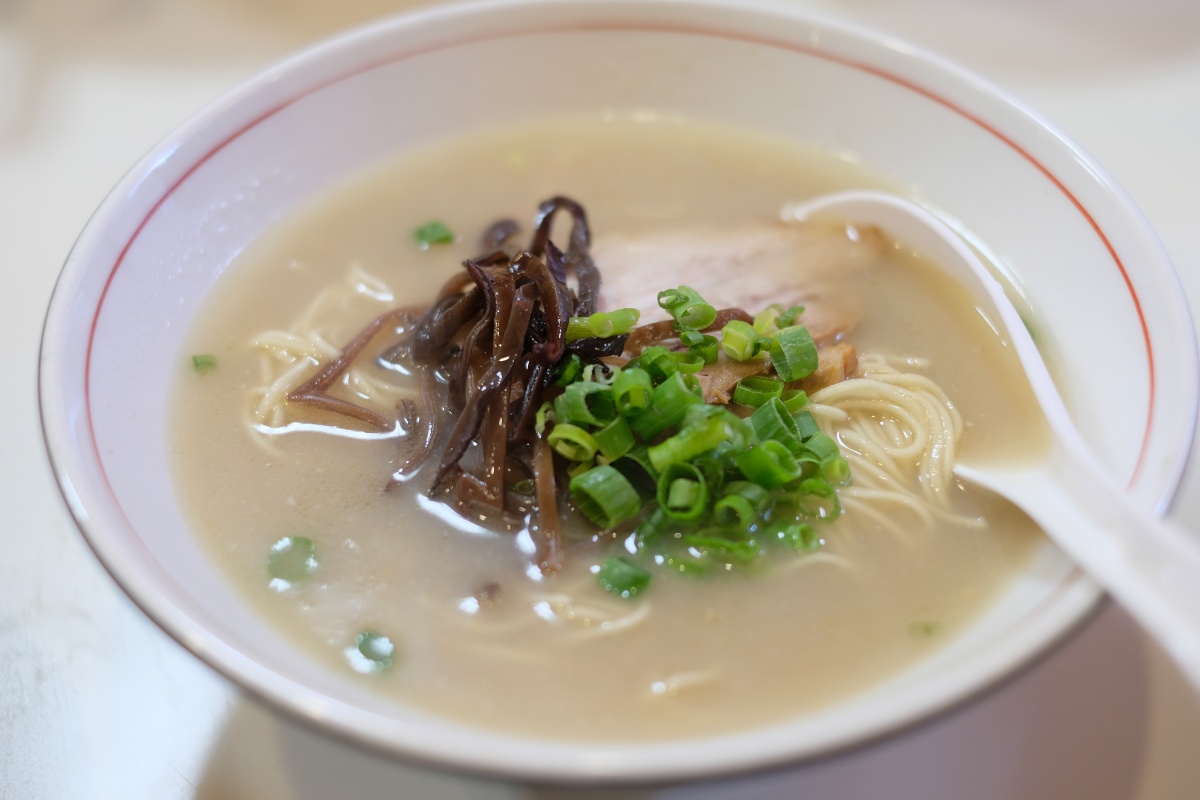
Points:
[1149,565]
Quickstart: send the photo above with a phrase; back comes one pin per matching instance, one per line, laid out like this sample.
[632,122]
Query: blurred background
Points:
[96,703]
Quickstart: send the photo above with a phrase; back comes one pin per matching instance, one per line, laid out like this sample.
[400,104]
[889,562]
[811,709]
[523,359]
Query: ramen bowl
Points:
[1049,219]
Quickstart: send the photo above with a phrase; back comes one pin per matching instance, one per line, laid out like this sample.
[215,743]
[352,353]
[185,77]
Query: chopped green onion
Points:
[371,652]
[687,307]
[691,441]
[599,373]
[604,496]
[637,469]
[836,470]
[615,439]
[689,362]
[544,415]
[769,464]
[713,469]
[740,341]
[788,316]
[433,233]
[773,317]
[621,578]
[684,563]
[631,390]
[821,446]
[292,558]
[579,467]
[756,390]
[655,525]
[585,403]
[739,430]
[739,550]
[700,344]
[830,508]
[204,362]
[572,442]
[806,426]
[771,421]
[794,399]
[751,491]
[793,353]
[766,322]
[602,324]
[672,398]
[649,423]
[735,510]
[683,492]
[568,370]
[801,536]
[658,362]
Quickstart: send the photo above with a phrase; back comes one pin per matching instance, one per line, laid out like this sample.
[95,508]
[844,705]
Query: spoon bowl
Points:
[1148,564]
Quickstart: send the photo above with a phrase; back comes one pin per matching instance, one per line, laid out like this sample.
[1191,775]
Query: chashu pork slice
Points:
[750,267]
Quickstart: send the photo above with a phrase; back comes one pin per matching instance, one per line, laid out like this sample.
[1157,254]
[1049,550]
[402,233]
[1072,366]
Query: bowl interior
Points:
[1043,213]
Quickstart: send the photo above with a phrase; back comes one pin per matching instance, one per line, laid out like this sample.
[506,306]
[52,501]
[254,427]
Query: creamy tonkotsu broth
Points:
[479,634]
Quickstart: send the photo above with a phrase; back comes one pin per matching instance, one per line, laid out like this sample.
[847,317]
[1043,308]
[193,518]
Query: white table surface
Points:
[96,702]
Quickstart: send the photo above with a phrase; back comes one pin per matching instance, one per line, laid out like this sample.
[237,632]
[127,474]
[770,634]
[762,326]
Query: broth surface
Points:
[558,657]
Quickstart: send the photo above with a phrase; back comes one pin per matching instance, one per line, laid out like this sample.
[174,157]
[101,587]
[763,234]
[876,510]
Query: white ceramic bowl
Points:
[1067,236]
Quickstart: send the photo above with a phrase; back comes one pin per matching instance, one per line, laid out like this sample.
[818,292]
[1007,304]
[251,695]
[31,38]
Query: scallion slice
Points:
[683,492]
[658,362]
[204,362]
[740,341]
[691,441]
[292,558]
[794,399]
[572,442]
[766,322]
[579,467]
[615,439]
[756,390]
[821,445]
[746,550]
[749,490]
[700,344]
[801,536]
[604,496]
[672,398]
[788,315]
[568,370]
[543,417]
[836,470]
[432,233]
[806,426]
[371,652]
[687,307]
[793,353]
[631,390]
[734,510]
[637,469]
[690,362]
[771,420]
[621,578]
[602,324]
[769,464]
[585,403]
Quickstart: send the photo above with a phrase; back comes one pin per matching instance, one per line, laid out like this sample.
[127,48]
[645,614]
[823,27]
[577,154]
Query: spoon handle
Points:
[1148,564]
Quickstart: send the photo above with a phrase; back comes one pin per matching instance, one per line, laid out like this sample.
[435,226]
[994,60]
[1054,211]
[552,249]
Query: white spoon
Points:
[1149,565]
